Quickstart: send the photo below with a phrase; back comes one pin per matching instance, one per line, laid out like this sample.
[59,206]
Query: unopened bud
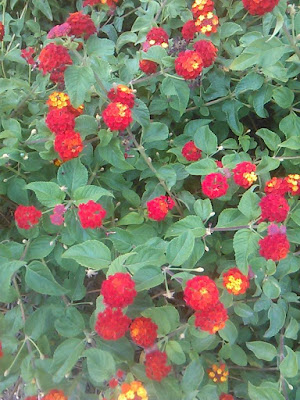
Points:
[220,148]
[208,232]
[65,246]
[33,131]
[5,155]
[25,157]
[63,188]
[199,269]
[206,248]
[182,336]
[212,214]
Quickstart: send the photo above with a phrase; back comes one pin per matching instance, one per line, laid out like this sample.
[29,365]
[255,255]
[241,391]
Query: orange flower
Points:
[68,145]
[235,282]
[207,23]
[259,7]
[188,64]
[148,67]
[218,373]
[201,7]
[133,391]
[293,181]
[117,116]
[59,100]
[122,94]
[2,31]
[201,293]
[277,185]
[244,174]
[143,331]
[207,51]
[81,25]
[55,394]
[212,319]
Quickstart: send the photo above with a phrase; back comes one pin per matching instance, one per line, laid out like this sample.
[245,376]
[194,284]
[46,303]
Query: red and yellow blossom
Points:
[207,51]
[274,208]
[157,37]
[274,247]
[60,100]
[117,116]
[110,3]
[27,216]
[156,365]
[293,181]
[235,282]
[68,145]
[133,391]
[211,319]
[201,293]
[200,7]
[148,67]
[91,214]
[191,152]
[122,94]
[81,25]
[215,185]
[207,23]
[118,290]
[158,208]
[277,185]
[188,30]
[55,394]
[225,396]
[60,120]
[2,31]
[143,331]
[259,7]
[112,324]
[188,64]
[244,174]
[218,373]
[54,59]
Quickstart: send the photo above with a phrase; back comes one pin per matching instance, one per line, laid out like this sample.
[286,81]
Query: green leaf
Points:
[229,333]
[271,288]
[238,356]
[86,125]
[89,192]
[231,217]
[124,38]
[202,167]
[229,28]
[99,47]
[262,393]
[101,365]
[292,329]
[113,154]
[166,318]
[155,131]
[48,193]
[190,223]
[203,208]
[40,248]
[140,113]
[206,140]
[276,316]
[251,81]
[248,205]
[70,324]
[245,243]
[148,277]
[40,279]
[179,249]
[192,377]
[72,174]
[132,218]
[78,80]
[44,7]
[283,96]
[262,350]
[271,139]
[175,353]
[178,93]
[7,270]
[289,365]
[90,254]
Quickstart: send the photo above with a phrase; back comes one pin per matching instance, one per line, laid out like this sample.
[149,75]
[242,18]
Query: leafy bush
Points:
[184,214]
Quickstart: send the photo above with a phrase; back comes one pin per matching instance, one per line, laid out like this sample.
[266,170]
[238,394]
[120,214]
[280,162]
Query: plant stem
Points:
[290,39]
[281,358]
[15,172]
[160,10]
[210,103]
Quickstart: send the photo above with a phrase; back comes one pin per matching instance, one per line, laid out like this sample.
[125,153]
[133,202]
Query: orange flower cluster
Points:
[27,216]
[188,64]
[133,391]
[218,373]
[54,59]
[118,290]
[191,152]
[55,394]
[214,185]
[61,100]
[293,181]
[289,184]
[148,67]
[81,25]
[207,51]
[156,365]
[225,396]
[143,331]
[259,7]
[2,31]
[117,116]
[244,174]
[235,282]
[91,214]
[201,294]
[207,23]
[122,94]
[158,208]
[68,145]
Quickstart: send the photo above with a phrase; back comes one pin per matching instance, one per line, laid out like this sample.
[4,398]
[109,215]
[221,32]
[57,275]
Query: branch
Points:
[160,10]
[291,40]
[281,358]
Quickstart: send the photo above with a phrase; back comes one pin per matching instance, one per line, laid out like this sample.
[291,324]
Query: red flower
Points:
[112,324]
[188,64]
[214,185]
[54,59]
[143,331]
[218,373]
[60,120]
[274,247]
[2,31]
[113,383]
[224,396]
[27,55]
[81,25]
[91,3]
[59,31]
[148,67]
[156,365]
[274,208]
[91,214]
[191,152]
[276,185]
[31,398]
[207,23]
[1,352]
[68,145]
[219,164]
[118,290]
[212,319]
[201,7]
[243,174]
[122,94]
[117,116]
[55,394]
[207,51]
[293,181]
[158,208]
[61,100]
[188,30]
[157,37]
[260,7]
[235,282]
[27,216]
[201,293]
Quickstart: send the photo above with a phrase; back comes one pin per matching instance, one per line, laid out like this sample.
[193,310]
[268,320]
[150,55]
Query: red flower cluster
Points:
[207,51]
[201,7]
[211,319]
[91,214]
[143,331]
[274,246]
[277,185]
[218,373]
[1,352]
[55,394]
[274,208]
[188,30]
[156,37]
[81,25]
[122,94]
[214,185]
[148,67]
[118,290]
[68,145]
[158,208]
[54,59]
[60,100]
[27,55]
[225,396]
[235,282]
[27,216]
[259,7]
[112,324]
[188,64]
[31,398]
[2,31]
[117,116]
[244,174]
[201,293]
[59,31]
[156,365]
[60,120]
[191,152]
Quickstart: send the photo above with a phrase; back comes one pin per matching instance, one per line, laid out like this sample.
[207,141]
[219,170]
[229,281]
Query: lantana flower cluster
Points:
[91,214]
[218,373]
[53,394]
[159,207]
[259,7]
[155,37]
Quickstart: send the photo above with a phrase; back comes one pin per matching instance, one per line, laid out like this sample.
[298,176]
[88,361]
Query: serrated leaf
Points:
[101,365]
[40,279]
[90,254]
[180,248]
[47,193]
[78,80]
[245,243]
